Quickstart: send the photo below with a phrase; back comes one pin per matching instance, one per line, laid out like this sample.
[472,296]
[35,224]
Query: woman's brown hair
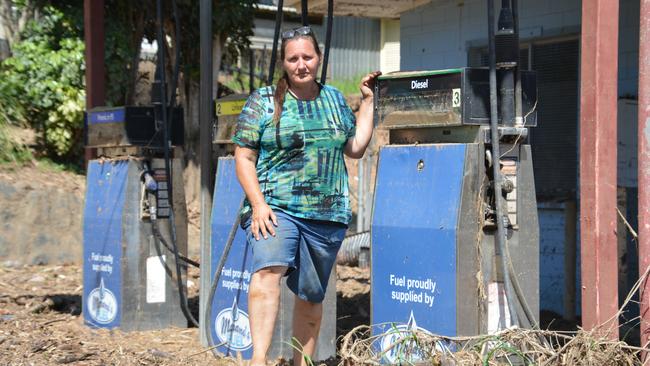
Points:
[283,84]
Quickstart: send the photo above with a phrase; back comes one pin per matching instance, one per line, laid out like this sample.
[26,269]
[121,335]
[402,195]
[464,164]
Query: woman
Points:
[289,160]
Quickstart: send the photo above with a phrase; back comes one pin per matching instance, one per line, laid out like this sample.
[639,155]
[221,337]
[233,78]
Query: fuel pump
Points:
[128,270]
[227,258]
[135,220]
[454,233]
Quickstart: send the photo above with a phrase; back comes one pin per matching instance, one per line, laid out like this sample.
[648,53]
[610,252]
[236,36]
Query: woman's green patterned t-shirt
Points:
[300,163]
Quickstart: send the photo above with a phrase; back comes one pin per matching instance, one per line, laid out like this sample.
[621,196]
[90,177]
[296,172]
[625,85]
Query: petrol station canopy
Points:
[361,8]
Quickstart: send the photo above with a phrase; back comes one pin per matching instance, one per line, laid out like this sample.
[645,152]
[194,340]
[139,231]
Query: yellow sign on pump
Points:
[229,107]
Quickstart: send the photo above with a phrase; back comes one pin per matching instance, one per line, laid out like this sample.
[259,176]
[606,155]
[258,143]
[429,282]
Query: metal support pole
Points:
[94,54]
[644,166]
[598,94]
[94,38]
[328,40]
[276,38]
[570,218]
[205,153]
[367,192]
[251,71]
[304,12]
[360,196]
[519,120]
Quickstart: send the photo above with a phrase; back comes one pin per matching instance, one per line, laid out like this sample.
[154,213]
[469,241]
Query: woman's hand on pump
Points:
[367,85]
[356,145]
[263,220]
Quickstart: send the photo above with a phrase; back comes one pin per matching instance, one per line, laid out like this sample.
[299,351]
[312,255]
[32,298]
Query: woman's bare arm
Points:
[263,219]
[357,144]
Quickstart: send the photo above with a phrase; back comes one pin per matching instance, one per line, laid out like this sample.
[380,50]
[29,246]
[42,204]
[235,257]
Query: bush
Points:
[12,151]
[42,84]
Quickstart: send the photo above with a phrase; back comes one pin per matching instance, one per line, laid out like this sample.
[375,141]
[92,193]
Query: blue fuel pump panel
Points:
[102,237]
[229,319]
[125,267]
[414,242]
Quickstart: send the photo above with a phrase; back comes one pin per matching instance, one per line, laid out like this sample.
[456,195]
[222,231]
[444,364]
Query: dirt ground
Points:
[40,305]
[40,322]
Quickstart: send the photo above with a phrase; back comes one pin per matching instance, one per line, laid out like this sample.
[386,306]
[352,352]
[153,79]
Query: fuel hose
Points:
[215,279]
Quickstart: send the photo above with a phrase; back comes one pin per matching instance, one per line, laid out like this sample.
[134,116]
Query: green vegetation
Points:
[348,86]
[12,151]
[296,345]
[41,86]
[48,165]
[42,83]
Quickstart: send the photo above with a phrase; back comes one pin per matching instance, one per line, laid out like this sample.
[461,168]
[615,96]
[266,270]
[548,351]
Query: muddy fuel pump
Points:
[135,219]
[455,233]
[226,273]
[129,262]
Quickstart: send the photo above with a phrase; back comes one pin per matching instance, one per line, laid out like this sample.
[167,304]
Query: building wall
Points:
[552,275]
[390,55]
[439,34]
[551,259]
[354,49]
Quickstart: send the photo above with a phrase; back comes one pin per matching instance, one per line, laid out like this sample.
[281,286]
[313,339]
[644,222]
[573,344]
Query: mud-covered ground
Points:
[40,322]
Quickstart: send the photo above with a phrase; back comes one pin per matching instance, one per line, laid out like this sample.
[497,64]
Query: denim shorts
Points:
[307,247]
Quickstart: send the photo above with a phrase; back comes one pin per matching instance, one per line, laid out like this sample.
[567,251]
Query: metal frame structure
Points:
[94,41]
[206,114]
[597,144]
[643,167]
[598,122]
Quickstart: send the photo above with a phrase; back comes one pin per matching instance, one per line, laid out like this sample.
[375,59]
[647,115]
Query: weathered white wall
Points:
[390,45]
[551,259]
[439,34]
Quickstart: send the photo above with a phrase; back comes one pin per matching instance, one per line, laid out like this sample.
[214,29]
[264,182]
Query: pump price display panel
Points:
[227,110]
[442,98]
[420,99]
[229,107]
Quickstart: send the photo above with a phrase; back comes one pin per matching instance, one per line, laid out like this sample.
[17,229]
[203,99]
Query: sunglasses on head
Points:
[302,31]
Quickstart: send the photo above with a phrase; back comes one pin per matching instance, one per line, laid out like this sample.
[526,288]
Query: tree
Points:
[233,22]
[14,17]
[55,42]
[41,85]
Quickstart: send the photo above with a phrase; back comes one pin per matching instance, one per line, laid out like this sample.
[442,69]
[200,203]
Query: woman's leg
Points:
[263,304]
[306,324]
[318,247]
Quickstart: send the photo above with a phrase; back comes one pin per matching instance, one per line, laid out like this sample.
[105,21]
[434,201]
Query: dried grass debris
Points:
[515,346]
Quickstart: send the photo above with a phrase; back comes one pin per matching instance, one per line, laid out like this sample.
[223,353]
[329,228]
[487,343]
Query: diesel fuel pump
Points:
[455,236]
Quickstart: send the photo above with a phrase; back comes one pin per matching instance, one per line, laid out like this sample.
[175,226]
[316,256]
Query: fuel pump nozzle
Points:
[149,188]
[150,183]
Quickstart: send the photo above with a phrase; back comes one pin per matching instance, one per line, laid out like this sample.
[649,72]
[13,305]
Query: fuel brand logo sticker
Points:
[398,344]
[102,304]
[233,328]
